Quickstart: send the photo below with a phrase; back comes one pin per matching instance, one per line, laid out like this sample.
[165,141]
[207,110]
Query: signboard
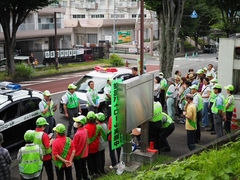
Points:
[133,50]
[194,15]
[117,138]
[124,36]
[108,38]
[63,53]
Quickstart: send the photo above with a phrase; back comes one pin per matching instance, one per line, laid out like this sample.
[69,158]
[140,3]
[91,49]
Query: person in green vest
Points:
[30,158]
[218,110]
[190,112]
[43,140]
[63,152]
[107,93]
[229,105]
[197,100]
[163,88]
[71,106]
[47,108]
[167,128]
[211,101]
[92,97]
[155,125]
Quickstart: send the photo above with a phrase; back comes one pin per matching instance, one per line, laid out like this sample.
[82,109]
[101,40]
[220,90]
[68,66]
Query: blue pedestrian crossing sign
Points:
[194,15]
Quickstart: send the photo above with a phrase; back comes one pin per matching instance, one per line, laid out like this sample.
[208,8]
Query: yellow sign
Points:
[124,36]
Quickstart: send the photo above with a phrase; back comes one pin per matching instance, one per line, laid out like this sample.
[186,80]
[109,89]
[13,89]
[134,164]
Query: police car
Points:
[18,112]
[99,76]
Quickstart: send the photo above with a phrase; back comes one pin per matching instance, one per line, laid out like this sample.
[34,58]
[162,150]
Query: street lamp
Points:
[55,38]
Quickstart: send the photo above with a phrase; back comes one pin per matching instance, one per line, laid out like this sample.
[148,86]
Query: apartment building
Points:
[80,22]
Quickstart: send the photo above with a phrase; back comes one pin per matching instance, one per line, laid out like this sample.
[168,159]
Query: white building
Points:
[80,22]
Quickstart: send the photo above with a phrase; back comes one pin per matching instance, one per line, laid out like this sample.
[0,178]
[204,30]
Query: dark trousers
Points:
[49,169]
[198,130]
[211,116]
[71,113]
[81,168]
[165,132]
[93,163]
[162,97]
[154,134]
[107,103]
[36,178]
[191,139]
[227,123]
[49,128]
[102,161]
[60,173]
[112,154]
[92,108]
[156,99]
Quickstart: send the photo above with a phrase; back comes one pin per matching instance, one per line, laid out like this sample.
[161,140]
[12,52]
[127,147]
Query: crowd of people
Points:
[196,100]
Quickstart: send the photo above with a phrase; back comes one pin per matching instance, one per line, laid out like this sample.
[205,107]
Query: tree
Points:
[169,14]
[12,15]
[229,14]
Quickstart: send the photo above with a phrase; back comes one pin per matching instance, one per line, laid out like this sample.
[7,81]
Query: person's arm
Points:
[19,156]
[46,109]
[208,94]
[89,99]
[46,141]
[8,157]
[220,106]
[230,100]
[107,92]
[65,110]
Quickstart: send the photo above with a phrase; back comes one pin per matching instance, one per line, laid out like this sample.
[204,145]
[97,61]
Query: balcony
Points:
[84,5]
[129,5]
[48,26]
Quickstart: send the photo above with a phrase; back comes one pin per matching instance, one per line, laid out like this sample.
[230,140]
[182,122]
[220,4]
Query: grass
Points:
[145,167]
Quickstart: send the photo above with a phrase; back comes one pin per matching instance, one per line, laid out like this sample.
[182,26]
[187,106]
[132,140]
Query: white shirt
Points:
[156,90]
[171,92]
[205,92]
[212,72]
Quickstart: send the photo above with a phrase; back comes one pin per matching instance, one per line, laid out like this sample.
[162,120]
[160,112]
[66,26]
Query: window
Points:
[39,20]
[135,15]
[75,16]
[236,81]
[49,20]
[10,112]
[118,16]
[92,38]
[91,1]
[97,16]
[29,105]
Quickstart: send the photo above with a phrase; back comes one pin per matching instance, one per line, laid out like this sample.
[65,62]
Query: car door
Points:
[10,114]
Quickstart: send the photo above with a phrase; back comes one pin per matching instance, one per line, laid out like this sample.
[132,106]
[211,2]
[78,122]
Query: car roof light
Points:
[101,69]
[9,85]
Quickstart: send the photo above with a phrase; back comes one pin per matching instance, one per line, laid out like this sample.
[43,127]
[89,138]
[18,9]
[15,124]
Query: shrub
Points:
[24,71]
[116,60]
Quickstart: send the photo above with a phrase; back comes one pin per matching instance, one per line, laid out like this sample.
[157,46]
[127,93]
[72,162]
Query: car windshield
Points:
[207,46]
[99,83]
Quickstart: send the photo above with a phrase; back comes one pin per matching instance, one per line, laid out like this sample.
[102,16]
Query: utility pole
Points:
[55,38]
[114,26]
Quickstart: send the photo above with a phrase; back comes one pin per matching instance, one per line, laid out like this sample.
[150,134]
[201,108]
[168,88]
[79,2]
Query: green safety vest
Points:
[31,160]
[157,112]
[231,107]
[38,141]
[109,88]
[214,108]
[163,84]
[58,163]
[73,101]
[166,120]
[50,111]
[98,130]
[212,96]
[200,102]
[94,95]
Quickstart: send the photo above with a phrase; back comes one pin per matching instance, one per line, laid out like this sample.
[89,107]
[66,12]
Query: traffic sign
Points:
[194,15]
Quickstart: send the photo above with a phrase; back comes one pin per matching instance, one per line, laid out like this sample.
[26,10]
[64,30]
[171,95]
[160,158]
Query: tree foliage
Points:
[12,15]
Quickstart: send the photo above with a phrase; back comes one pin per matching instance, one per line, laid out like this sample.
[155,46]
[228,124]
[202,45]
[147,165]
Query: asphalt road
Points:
[58,85]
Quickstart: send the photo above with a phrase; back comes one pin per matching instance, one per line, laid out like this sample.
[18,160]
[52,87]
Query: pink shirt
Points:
[80,142]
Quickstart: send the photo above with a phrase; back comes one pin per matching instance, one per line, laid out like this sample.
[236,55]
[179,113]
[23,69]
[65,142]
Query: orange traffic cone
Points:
[234,122]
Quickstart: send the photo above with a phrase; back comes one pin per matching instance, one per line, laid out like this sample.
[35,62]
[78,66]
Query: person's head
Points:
[60,129]
[91,84]
[205,70]
[46,95]
[200,73]
[214,81]
[177,79]
[179,73]
[187,83]
[32,55]
[183,79]
[189,98]
[91,117]
[134,71]
[191,77]
[206,81]
[157,80]
[209,76]
[109,81]
[100,117]
[161,75]
[229,89]
[194,88]
[190,71]
[29,136]
[210,66]
[80,121]
[217,88]
[41,123]
[1,138]
[171,80]
[72,88]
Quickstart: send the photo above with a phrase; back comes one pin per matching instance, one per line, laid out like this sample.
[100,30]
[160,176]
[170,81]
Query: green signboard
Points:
[124,36]
[117,138]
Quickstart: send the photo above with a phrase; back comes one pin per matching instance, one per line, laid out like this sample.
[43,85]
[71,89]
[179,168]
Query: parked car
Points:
[210,48]
[18,112]
[99,76]
[17,60]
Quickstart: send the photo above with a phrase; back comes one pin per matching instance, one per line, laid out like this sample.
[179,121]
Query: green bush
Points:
[116,60]
[24,71]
